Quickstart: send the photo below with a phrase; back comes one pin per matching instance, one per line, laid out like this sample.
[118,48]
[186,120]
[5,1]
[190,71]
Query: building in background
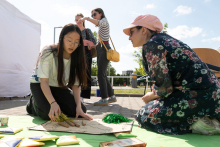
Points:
[127,72]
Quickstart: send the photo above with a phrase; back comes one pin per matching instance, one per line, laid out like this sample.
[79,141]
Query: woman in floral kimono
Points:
[185,95]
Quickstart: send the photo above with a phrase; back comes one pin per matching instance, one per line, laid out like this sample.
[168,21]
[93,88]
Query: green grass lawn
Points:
[125,91]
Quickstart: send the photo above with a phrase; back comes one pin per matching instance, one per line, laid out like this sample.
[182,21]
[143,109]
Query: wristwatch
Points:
[88,18]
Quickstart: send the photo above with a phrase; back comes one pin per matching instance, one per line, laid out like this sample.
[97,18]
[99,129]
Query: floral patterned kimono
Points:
[188,89]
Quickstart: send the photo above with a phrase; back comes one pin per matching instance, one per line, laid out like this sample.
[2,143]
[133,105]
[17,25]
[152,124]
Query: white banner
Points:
[19,49]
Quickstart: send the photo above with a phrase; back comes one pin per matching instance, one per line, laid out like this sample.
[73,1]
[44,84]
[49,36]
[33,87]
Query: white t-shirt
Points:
[48,68]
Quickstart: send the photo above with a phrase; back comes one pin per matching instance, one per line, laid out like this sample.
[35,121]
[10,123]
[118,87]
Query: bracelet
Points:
[52,102]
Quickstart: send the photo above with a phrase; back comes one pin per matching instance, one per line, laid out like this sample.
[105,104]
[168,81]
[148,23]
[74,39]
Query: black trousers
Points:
[86,93]
[102,62]
[41,107]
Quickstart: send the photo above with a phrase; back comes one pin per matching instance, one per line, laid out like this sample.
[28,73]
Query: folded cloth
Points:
[67,140]
[10,130]
[10,143]
[44,137]
[124,135]
[31,143]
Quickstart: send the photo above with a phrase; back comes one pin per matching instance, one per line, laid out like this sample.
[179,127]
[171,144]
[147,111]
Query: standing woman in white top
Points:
[60,66]
[101,22]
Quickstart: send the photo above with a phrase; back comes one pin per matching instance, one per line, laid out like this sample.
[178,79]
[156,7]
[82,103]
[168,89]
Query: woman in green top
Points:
[60,66]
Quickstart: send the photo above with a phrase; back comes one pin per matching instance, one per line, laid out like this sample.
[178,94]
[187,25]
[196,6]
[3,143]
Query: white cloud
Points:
[126,59]
[129,49]
[68,10]
[150,6]
[134,13]
[44,26]
[46,34]
[183,10]
[212,39]
[207,1]
[204,34]
[184,32]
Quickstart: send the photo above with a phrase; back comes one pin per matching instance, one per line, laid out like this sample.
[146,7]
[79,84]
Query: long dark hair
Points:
[78,60]
[100,11]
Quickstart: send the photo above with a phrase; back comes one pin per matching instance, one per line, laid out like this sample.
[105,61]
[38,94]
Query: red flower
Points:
[169,112]
[217,110]
[155,121]
[165,70]
[178,75]
[149,56]
[151,115]
[199,80]
[214,95]
[192,103]
[170,89]
[193,94]
[149,107]
[174,56]
[155,110]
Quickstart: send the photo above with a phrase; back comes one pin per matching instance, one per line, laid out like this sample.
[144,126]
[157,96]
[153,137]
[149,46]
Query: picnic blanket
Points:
[89,140]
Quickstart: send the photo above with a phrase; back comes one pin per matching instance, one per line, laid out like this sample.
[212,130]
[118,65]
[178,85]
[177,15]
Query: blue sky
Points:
[195,22]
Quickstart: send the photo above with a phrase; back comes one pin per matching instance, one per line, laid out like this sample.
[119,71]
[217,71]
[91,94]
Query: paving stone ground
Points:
[127,106]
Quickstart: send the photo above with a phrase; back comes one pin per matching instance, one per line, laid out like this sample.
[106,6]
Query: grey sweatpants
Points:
[102,62]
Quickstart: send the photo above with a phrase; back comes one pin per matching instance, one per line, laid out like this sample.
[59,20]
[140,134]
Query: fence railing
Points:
[112,77]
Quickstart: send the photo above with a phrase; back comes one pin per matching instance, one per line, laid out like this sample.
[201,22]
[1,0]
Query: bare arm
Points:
[149,96]
[94,21]
[79,111]
[76,94]
[44,84]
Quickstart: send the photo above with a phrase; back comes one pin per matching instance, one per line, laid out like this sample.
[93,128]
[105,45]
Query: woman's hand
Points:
[91,47]
[80,112]
[149,96]
[81,20]
[54,109]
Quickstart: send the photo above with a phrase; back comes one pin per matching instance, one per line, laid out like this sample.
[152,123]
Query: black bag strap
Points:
[87,35]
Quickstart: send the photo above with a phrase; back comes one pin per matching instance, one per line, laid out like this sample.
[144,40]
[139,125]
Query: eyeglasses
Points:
[74,43]
[94,14]
[130,33]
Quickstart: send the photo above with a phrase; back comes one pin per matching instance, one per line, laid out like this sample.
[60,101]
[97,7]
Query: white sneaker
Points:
[206,126]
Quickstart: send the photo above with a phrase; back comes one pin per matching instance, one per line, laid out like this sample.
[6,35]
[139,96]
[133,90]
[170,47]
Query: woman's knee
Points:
[42,113]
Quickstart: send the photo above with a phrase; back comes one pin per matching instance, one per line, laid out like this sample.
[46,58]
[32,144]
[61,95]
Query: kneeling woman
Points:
[186,93]
[59,67]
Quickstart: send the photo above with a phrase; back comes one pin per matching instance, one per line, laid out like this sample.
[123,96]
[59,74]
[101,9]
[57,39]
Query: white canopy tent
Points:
[19,49]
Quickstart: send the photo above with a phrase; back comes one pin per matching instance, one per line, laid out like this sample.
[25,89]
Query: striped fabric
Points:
[103,29]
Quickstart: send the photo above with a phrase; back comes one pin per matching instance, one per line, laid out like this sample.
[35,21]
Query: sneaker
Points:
[101,102]
[205,126]
[112,99]
[30,107]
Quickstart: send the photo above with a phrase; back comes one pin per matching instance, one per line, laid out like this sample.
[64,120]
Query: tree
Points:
[95,35]
[165,27]
[112,70]
[138,55]
[94,68]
